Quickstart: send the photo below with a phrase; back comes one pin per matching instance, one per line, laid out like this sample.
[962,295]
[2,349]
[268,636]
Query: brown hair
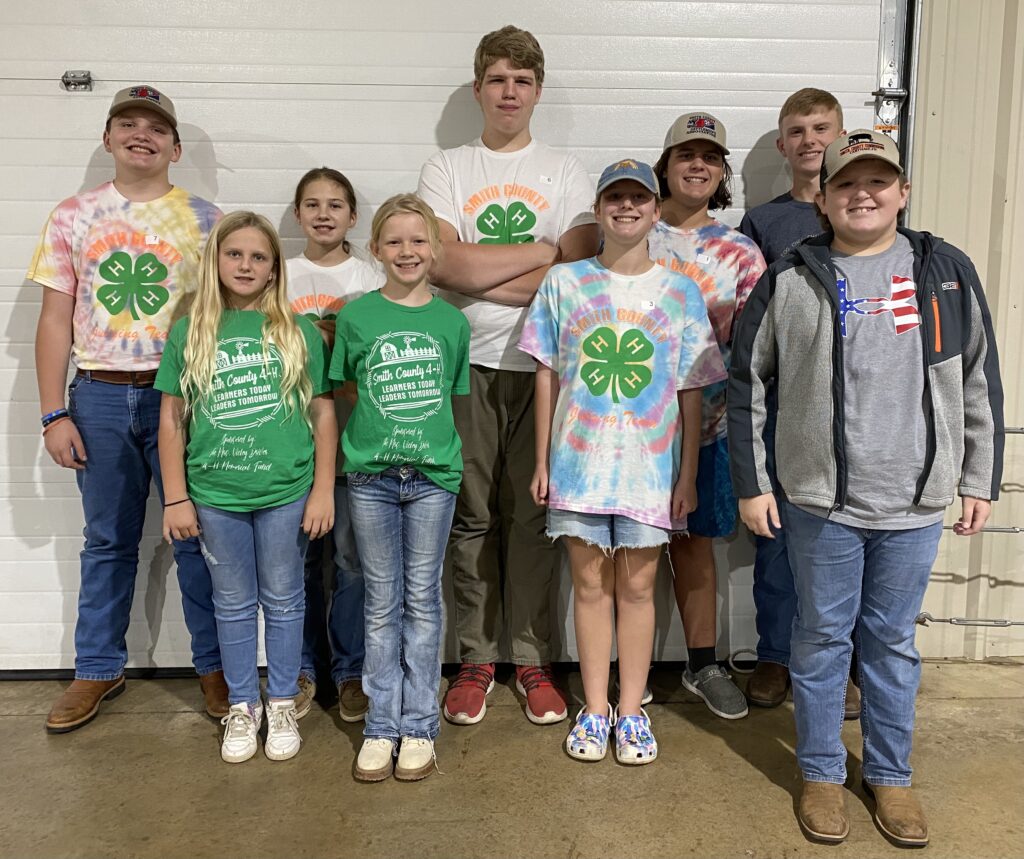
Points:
[331,175]
[826,224]
[174,129]
[721,199]
[510,43]
[807,100]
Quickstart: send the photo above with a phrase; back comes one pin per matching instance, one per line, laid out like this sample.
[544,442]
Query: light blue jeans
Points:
[256,559]
[340,620]
[401,521]
[868,583]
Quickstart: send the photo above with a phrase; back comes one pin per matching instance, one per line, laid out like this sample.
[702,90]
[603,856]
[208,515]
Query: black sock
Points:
[700,657]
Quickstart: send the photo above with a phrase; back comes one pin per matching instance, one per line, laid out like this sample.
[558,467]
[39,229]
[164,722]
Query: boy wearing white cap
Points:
[880,344]
[115,262]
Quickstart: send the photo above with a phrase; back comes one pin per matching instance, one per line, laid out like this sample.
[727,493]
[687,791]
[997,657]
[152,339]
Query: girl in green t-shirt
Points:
[247,447]
[408,352]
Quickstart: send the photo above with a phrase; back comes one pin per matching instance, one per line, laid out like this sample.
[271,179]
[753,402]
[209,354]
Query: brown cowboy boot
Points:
[80,702]
[898,814]
[822,811]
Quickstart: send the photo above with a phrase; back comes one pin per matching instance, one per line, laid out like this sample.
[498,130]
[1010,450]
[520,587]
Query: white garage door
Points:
[265,91]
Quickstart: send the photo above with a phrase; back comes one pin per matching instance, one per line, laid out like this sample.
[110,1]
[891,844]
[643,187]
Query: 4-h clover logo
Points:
[133,286]
[509,226]
[619,365]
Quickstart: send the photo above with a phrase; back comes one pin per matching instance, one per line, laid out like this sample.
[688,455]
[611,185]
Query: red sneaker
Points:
[465,702]
[545,704]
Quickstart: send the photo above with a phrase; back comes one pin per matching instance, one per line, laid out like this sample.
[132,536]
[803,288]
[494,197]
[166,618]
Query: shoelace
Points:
[238,723]
[419,741]
[282,718]
[473,675]
[534,677]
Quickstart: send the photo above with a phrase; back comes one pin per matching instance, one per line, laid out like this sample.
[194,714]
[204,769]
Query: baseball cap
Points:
[143,95]
[696,126]
[629,168]
[858,144]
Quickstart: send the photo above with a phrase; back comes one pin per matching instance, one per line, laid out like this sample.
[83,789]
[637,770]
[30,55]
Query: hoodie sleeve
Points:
[984,433]
[750,373]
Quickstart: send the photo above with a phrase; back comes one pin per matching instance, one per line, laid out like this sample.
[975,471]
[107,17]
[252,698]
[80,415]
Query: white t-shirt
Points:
[534,194]
[319,292]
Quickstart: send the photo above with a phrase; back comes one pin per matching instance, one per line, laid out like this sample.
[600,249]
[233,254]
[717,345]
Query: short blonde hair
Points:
[519,47]
[407,204]
[807,100]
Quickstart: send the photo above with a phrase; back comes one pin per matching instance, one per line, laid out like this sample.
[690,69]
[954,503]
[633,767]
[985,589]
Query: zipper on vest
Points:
[929,406]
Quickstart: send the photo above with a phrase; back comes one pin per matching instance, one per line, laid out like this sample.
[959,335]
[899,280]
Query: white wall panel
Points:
[265,91]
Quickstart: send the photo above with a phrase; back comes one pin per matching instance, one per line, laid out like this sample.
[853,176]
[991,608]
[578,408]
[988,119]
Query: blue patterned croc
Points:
[588,739]
[634,741]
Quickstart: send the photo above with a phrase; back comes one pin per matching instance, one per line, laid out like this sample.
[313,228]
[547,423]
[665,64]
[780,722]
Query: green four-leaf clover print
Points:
[509,226]
[617,365]
[133,286]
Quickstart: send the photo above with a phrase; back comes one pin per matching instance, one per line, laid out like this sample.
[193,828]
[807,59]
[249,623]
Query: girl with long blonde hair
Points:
[247,445]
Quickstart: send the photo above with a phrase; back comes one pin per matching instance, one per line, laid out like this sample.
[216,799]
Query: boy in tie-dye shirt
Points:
[623,347]
[115,263]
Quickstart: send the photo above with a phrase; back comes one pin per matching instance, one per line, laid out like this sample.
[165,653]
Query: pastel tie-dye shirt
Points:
[622,347]
[127,265]
[726,265]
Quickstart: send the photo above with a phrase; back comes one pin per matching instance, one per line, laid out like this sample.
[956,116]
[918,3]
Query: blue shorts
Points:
[605,530]
[715,515]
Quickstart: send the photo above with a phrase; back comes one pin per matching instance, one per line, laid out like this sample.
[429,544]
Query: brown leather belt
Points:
[135,378]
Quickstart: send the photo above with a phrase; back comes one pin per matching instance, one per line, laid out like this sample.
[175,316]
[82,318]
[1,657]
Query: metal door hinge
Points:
[77,81]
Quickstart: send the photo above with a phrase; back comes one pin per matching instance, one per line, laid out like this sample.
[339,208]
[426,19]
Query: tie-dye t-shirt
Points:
[127,265]
[726,265]
[622,346]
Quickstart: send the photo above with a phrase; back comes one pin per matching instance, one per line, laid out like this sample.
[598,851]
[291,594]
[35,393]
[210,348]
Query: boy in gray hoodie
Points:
[880,344]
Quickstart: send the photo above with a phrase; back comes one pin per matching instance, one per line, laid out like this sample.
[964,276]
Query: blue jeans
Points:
[402,521]
[870,583]
[342,618]
[774,591]
[256,559]
[118,425]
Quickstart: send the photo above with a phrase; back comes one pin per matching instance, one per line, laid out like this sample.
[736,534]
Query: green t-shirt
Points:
[406,363]
[245,451]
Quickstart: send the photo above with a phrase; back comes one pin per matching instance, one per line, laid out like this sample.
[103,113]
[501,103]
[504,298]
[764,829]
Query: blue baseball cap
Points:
[629,168]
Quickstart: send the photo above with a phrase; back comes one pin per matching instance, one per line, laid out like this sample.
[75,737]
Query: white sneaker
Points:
[242,727]
[376,759]
[283,740]
[415,759]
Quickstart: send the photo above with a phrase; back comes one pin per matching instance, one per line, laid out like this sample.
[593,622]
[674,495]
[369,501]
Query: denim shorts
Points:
[605,530]
[715,515]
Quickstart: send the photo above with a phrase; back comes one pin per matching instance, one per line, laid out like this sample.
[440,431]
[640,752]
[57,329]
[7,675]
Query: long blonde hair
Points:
[279,327]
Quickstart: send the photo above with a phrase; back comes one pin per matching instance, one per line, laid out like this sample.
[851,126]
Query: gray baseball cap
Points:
[857,144]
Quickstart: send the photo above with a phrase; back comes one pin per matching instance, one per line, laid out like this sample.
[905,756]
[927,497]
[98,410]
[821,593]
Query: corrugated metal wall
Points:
[968,187]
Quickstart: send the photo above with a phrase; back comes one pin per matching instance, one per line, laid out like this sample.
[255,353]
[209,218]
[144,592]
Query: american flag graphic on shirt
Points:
[901,303]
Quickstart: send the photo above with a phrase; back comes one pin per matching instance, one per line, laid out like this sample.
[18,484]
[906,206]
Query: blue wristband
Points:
[54,415]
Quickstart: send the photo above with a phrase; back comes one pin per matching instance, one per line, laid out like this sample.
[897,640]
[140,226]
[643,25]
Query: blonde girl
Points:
[247,445]
[408,353]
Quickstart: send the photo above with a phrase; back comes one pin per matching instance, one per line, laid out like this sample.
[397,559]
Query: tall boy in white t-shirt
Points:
[509,208]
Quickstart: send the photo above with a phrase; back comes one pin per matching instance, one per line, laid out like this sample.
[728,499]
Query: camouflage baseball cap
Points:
[858,144]
[145,96]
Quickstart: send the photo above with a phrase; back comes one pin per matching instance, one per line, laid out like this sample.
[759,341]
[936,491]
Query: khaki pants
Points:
[502,562]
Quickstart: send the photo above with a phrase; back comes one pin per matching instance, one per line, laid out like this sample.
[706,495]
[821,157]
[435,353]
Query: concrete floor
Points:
[145,779]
